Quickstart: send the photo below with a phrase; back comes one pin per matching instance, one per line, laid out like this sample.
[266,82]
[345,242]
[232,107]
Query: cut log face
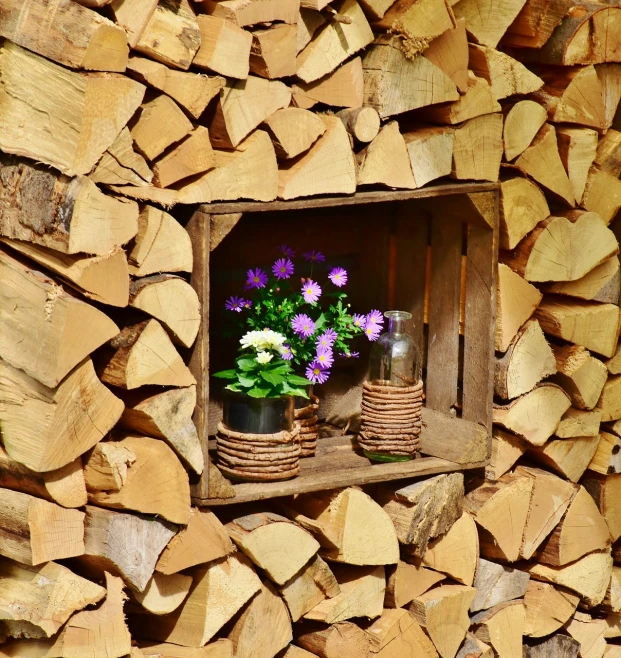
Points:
[244,13]
[601,284]
[613,596]
[222,648]
[362,123]
[407,581]
[431,153]
[502,627]
[602,194]
[522,207]
[579,423]
[397,634]
[294,130]
[94,109]
[408,507]
[190,157]
[528,360]
[342,640]
[580,375]
[569,457]
[557,645]
[590,633]
[548,607]
[609,403]
[507,448]
[274,51]
[534,415]
[488,27]
[309,21]
[473,647]
[497,584]
[275,544]
[341,88]
[522,123]
[608,155]
[133,16]
[577,148]
[418,22]
[164,594]
[477,150]
[36,420]
[606,459]
[449,52]
[605,491]
[105,467]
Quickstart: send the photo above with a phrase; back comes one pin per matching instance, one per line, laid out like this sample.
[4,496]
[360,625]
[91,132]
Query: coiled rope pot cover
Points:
[307,422]
[391,421]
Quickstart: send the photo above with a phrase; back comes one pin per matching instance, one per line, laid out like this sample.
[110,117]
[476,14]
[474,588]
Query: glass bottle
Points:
[395,357]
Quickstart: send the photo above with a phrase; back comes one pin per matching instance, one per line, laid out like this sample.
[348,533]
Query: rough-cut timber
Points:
[164,593]
[601,284]
[225,47]
[396,633]
[580,374]
[548,607]
[294,130]
[522,123]
[496,584]
[341,88]
[477,150]
[192,156]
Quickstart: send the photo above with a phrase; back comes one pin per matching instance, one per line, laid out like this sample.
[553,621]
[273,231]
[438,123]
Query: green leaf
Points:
[292,390]
[272,378]
[246,382]
[236,388]
[225,374]
[296,380]
[246,363]
[259,392]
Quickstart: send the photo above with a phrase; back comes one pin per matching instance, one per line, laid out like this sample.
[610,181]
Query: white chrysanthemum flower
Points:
[263,340]
[264,357]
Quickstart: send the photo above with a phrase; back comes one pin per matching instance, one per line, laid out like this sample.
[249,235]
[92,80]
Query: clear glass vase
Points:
[395,357]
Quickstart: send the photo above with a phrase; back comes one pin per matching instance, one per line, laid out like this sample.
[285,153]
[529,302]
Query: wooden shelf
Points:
[448,444]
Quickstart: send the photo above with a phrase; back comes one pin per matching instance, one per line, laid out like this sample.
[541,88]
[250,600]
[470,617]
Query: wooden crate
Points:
[432,252]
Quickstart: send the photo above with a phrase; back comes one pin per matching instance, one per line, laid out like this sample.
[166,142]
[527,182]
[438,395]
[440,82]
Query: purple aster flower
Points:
[282,268]
[311,291]
[374,319]
[313,256]
[285,250]
[327,338]
[316,375]
[256,278]
[234,303]
[338,276]
[359,320]
[372,332]
[246,303]
[286,353]
[303,325]
[325,357]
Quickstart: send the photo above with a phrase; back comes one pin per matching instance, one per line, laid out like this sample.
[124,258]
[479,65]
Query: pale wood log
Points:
[341,88]
[39,600]
[478,148]
[327,168]
[612,651]
[35,531]
[487,25]
[527,361]
[407,581]
[608,155]
[67,215]
[113,540]
[535,23]
[522,207]
[431,153]
[309,587]
[218,592]
[251,12]
[449,52]
[436,607]
[542,162]
[89,111]
[164,593]
[143,354]
[172,301]
[72,35]
[507,448]
[601,284]
[522,123]
[410,508]
[502,627]
[342,640]
[127,163]
[147,131]
[614,363]
[386,160]
[349,525]
[156,482]
[576,422]
[222,648]
[602,194]
[417,22]
[605,490]
[361,595]
[553,647]
[497,584]
[473,647]
[192,156]
[334,43]
[394,84]
[362,123]
[569,457]
[397,635]
[590,633]
[535,415]
[309,21]
[105,467]
[548,607]
[581,375]
[172,35]
[613,595]
[243,106]
[294,130]
[577,148]
[274,51]
[592,325]
[133,16]
[606,459]
[37,420]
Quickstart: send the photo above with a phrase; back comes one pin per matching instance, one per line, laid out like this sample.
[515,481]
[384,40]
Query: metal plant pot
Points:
[300,403]
[243,413]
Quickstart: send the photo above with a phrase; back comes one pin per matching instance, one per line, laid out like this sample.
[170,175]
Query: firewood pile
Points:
[111,111]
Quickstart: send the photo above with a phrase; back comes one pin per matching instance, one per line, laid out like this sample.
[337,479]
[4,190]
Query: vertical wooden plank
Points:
[375,257]
[443,340]
[480,318]
[199,229]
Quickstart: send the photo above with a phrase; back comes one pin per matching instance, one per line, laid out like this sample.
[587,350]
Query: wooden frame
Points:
[460,281]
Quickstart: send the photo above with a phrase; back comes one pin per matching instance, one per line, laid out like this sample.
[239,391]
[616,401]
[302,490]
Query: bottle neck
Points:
[396,325]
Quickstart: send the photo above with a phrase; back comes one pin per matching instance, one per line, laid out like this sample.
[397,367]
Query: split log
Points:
[432,609]
[166,416]
[294,131]
[588,577]
[113,540]
[478,148]
[418,22]
[569,457]
[535,415]
[172,35]
[147,131]
[606,459]
[333,517]
[407,581]
[553,647]
[295,652]
[361,595]
[548,608]
[579,423]
[612,651]
[362,123]
[581,375]
[309,21]
[590,633]
[602,194]
[474,648]
[522,123]
[93,109]
[33,531]
[274,51]
[192,156]
[608,155]
[528,360]
[431,153]
[156,482]
[143,354]
[420,82]
[275,544]
[397,635]
[190,90]
[121,165]
[105,467]
[614,363]
[218,592]
[522,207]
[203,540]
[48,595]
[449,52]
[310,586]
[542,162]
[605,491]
[73,36]
[410,507]
[67,215]
[386,161]
[502,627]
[341,88]
[242,12]
[133,16]
[516,301]
[222,648]
[535,23]
[601,284]
[327,168]
[592,325]
[507,448]
[613,595]
[164,594]
[577,148]
[36,420]
[496,584]
[488,27]
[342,640]
[334,43]
[172,301]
